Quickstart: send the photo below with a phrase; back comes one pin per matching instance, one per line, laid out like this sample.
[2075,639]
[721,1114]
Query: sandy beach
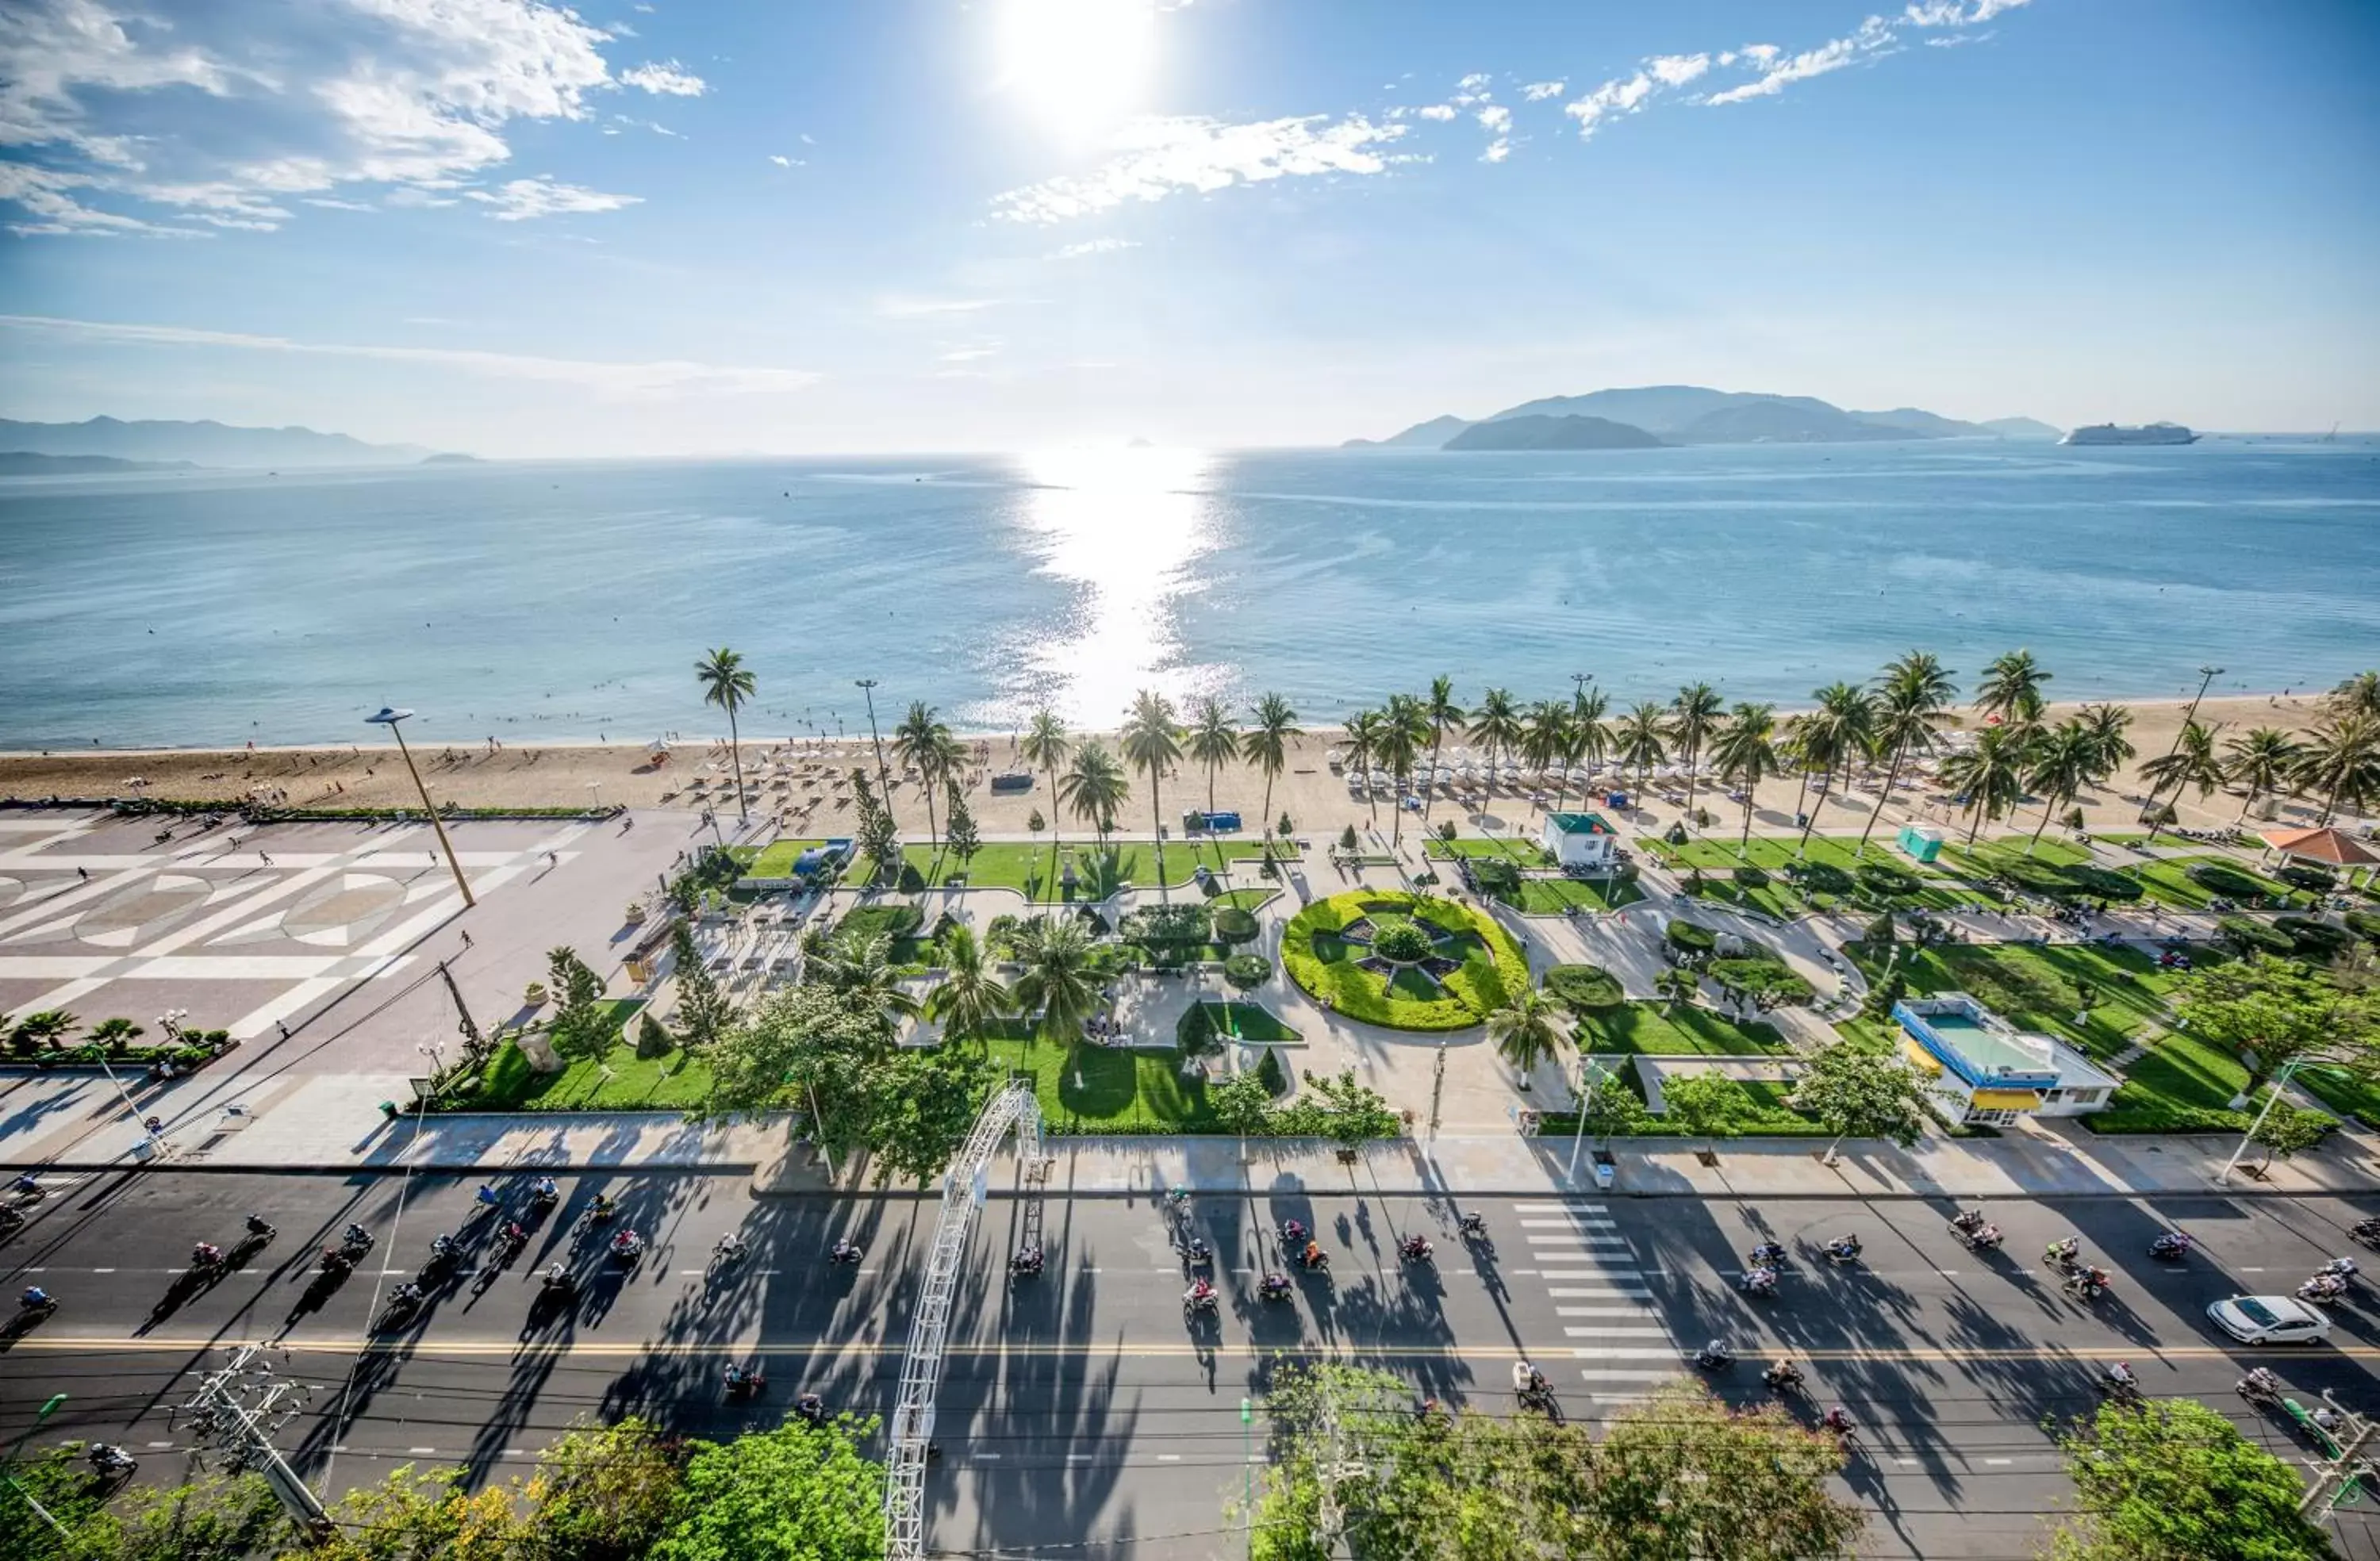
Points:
[796,780]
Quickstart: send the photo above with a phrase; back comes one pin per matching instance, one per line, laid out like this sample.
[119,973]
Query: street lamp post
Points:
[595,789]
[2207,674]
[40,1415]
[884,785]
[1590,1074]
[390,719]
[2223,1177]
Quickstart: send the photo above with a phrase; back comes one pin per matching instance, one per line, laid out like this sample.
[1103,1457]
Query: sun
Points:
[1078,66]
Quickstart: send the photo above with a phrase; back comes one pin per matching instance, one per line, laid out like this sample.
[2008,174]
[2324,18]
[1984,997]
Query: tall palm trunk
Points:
[1810,816]
[1693,754]
[2047,809]
[1267,819]
[1430,792]
[735,756]
[1891,776]
[1156,832]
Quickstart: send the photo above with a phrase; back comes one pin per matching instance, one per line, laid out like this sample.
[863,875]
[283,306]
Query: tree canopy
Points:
[2173,1481]
[2274,1009]
[1857,1092]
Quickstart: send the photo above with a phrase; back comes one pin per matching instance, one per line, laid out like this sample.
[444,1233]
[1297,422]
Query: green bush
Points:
[2246,935]
[1584,987]
[1496,875]
[2306,876]
[2221,878]
[2312,939]
[1768,979]
[1818,877]
[1159,925]
[1692,938]
[2364,925]
[1248,971]
[1234,926]
[886,919]
[1892,883]
[1403,942]
[1268,1075]
[1324,966]
[651,1039]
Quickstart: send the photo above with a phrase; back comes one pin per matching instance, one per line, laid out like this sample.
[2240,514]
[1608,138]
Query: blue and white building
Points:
[1982,1069]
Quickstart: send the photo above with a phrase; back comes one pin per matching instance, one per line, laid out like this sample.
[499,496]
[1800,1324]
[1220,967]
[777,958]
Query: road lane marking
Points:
[1999,1462]
[1604,1311]
[1169,1458]
[1560,1208]
[158,1446]
[419,1452]
[1597,1375]
[1608,1332]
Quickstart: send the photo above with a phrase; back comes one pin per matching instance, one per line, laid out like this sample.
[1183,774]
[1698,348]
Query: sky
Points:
[823,225]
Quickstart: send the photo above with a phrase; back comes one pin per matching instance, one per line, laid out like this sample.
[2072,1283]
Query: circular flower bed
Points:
[1246,970]
[1349,953]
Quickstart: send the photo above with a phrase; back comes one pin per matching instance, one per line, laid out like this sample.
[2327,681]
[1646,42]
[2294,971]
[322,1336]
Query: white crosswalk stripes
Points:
[1615,1337]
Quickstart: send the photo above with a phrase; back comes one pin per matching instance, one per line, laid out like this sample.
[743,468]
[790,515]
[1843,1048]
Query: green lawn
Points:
[1121,1090]
[777,860]
[1554,897]
[1655,1029]
[1527,852]
[2168,880]
[2032,987]
[671,1082]
[1988,856]
[2347,1093]
[1248,900]
[1777,850]
[1776,898]
[1036,870]
[1247,1022]
[2180,1085]
[1766,1114]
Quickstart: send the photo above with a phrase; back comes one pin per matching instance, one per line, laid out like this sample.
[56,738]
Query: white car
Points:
[2270,1319]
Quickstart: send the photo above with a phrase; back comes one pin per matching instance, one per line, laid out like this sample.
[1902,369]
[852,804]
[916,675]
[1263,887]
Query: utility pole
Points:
[1436,1087]
[237,1409]
[470,1030]
[884,782]
[2338,1479]
[2280,1079]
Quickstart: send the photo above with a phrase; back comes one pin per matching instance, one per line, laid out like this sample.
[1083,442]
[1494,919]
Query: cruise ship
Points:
[2148,433]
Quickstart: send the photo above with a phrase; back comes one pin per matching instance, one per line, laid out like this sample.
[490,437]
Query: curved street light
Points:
[391,718]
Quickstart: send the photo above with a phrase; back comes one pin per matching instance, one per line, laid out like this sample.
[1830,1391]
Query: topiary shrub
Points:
[2364,925]
[1268,1075]
[1496,876]
[2311,939]
[2221,878]
[2306,876]
[1234,926]
[891,920]
[1767,981]
[1248,971]
[1582,988]
[1403,942]
[1751,877]
[1820,877]
[2245,934]
[1691,938]
[651,1039]
[1892,882]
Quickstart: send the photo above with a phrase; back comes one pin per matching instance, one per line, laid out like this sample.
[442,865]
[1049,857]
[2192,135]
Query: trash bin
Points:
[388,1110]
[1604,1170]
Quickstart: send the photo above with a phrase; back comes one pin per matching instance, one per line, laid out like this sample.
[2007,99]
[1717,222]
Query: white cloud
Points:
[1442,112]
[1496,151]
[1618,97]
[666,378]
[972,353]
[328,204]
[1476,82]
[269,103]
[1538,91]
[1156,158]
[922,309]
[667,78]
[807,141]
[1496,117]
[1873,35]
[1093,247]
[520,200]
[1950,13]
[783,162]
[1676,70]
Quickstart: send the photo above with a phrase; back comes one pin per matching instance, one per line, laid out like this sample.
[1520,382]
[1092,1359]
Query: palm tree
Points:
[1637,737]
[1692,714]
[1590,735]
[1912,699]
[1095,787]
[1268,745]
[2111,749]
[1839,729]
[1045,746]
[1214,741]
[727,684]
[1546,737]
[2261,760]
[2358,696]
[1495,726]
[1745,747]
[1152,740]
[861,971]
[1405,726]
[923,741]
[1990,775]
[1440,711]
[1526,1031]
[2062,762]
[969,997]
[50,1027]
[2341,762]
[2012,689]
[2193,762]
[1058,982]
[1365,731]
[113,1033]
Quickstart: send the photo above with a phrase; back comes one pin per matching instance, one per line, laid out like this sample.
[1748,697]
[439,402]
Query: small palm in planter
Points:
[534,995]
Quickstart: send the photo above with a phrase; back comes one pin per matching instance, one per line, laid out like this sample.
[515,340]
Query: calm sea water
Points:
[571,600]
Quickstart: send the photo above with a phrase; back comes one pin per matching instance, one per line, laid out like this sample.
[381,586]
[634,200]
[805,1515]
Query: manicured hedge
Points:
[1247,970]
[1234,926]
[2221,878]
[1693,937]
[889,920]
[2247,935]
[1892,882]
[1494,968]
[1584,987]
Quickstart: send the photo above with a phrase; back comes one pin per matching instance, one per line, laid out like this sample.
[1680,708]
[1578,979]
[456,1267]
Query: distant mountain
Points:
[1431,435]
[26,463]
[1780,421]
[1931,425]
[450,458]
[207,443]
[1552,433]
[1698,415]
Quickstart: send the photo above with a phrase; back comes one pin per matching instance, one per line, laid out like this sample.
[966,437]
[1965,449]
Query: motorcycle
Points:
[1846,1249]
[1474,1225]
[2171,1245]
[1530,1388]
[811,1408]
[1768,1254]
[1026,1263]
[1713,1357]
[2260,1387]
[1413,1249]
[355,1241]
[110,1461]
[1760,1283]
[336,1264]
[2087,1286]
[627,1248]
[1987,1239]
[1200,1253]
[2321,1287]
[2119,1385]
[1198,1301]
[1783,1377]
[402,1303]
[1967,1220]
[745,1384]
[843,1252]
[1274,1287]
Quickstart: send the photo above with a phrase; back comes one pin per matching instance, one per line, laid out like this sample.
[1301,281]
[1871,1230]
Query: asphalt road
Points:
[1080,1406]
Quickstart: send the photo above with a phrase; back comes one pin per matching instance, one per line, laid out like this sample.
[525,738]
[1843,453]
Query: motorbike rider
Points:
[258,1227]
[2119,1376]
[1843,1246]
[845,1251]
[1475,1225]
[206,1254]
[355,1236]
[1783,1374]
[557,1277]
[811,1408]
[1313,1254]
[730,1245]
[2062,1253]
[1714,1355]
[1838,1421]
[604,1207]
[34,1299]
[1413,1246]
[543,1190]
[1200,1294]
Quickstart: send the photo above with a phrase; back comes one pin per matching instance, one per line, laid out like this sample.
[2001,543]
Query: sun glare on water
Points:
[1078,65]
[1123,525]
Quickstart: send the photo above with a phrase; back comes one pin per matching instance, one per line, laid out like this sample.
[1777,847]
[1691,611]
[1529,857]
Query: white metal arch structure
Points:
[921,1366]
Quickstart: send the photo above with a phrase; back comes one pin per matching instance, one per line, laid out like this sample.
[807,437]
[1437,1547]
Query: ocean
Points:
[545,601]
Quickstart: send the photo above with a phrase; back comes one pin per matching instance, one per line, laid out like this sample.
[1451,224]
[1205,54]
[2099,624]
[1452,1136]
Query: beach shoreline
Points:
[801,785]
